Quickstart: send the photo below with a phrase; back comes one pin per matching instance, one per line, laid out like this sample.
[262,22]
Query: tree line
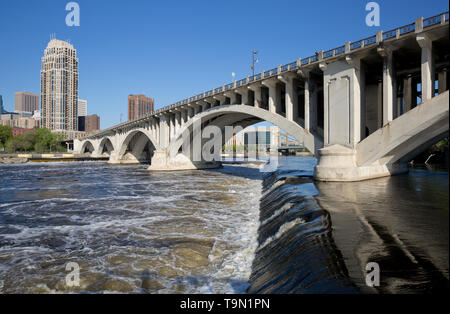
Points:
[38,141]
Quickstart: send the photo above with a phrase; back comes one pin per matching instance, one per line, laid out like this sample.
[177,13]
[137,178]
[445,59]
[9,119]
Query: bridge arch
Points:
[137,146]
[245,115]
[87,147]
[106,145]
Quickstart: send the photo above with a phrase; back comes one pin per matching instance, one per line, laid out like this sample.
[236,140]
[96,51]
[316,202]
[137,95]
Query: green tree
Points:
[40,148]
[5,134]
[40,140]
[11,146]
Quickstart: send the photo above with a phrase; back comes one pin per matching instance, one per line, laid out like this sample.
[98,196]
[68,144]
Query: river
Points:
[231,230]
[129,230]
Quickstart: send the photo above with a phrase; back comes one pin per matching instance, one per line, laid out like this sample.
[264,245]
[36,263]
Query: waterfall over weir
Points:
[296,251]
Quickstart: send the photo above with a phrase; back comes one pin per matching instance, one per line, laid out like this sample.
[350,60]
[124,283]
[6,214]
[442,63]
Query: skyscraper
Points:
[1,105]
[59,87]
[26,102]
[82,108]
[139,105]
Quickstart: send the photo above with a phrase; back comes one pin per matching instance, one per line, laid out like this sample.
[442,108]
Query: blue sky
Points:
[170,50]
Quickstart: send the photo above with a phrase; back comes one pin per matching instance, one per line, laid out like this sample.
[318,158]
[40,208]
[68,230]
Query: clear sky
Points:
[171,50]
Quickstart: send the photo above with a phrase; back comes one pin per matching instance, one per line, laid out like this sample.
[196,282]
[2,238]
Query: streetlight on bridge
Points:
[254,53]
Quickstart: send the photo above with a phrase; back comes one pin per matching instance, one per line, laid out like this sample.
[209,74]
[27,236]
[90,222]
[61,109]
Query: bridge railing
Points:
[358,44]
[432,20]
[407,29]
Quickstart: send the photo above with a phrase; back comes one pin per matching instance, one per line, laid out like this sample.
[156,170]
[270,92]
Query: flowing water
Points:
[230,230]
[129,230]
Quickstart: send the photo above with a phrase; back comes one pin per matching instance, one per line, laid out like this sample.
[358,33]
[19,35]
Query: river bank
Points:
[48,157]
[12,160]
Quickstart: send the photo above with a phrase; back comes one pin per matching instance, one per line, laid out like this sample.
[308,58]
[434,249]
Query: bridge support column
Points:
[151,126]
[244,95]
[291,95]
[389,85]
[183,117]
[155,129]
[427,67]
[342,103]
[274,101]
[310,103]
[199,107]
[177,122]
[409,99]
[442,80]
[256,88]
[221,100]
[190,113]
[171,118]
[202,106]
[212,102]
[233,97]
[157,132]
[164,130]
[337,161]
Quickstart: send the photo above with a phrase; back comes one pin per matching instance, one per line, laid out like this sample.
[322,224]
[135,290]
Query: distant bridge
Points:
[357,107]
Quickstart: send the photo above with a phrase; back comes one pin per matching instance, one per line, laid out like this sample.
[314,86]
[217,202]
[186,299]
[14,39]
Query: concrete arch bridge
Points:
[364,109]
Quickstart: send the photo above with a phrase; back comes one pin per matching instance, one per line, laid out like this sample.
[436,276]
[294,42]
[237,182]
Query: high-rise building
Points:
[59,87]
[139,105]
[82,108]
[1,105]
[26,102]
[92,123]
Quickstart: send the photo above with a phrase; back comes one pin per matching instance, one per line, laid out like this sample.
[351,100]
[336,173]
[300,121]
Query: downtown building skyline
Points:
[59,87]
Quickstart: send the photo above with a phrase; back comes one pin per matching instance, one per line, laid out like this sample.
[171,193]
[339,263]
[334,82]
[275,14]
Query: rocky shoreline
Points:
[54,157]
[12,160]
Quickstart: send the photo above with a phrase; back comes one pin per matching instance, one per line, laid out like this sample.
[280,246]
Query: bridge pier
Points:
[344,104]
[340,163]
[162,162]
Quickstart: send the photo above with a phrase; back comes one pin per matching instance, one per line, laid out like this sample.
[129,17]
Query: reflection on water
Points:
[400,222]
[128,229]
